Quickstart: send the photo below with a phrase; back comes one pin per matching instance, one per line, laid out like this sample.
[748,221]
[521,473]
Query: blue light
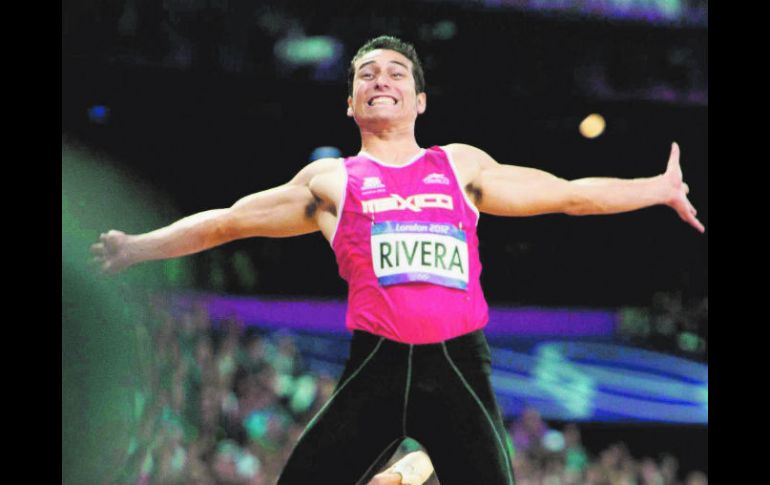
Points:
[98,114]
[553,441]
[325,152]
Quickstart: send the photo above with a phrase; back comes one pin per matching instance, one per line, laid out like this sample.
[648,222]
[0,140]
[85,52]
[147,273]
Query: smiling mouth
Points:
[383,101]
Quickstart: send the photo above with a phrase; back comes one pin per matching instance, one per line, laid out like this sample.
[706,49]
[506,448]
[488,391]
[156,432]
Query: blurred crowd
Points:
[671,324]
[544,456]
[225,404]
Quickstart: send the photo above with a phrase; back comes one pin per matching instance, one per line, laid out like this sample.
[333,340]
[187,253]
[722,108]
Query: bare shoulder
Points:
[469,155]
[326,180]
[322,166]
[469,161]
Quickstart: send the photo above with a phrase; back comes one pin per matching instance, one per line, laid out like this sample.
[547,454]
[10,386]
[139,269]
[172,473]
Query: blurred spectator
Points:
[669,469]
[595,476]
[696,478]
[253,359]
[525,470]
[575,457]
[616,466]
[670,325]
[286,359]
[528,433]
[227,354]
[171,455]
[234,465]
[650,473]
[553,473]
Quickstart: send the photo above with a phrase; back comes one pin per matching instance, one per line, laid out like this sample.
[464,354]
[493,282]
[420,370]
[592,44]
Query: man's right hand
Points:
[111,253]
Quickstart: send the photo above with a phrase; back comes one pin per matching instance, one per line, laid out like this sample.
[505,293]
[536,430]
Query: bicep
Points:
[509,190]
[283,211]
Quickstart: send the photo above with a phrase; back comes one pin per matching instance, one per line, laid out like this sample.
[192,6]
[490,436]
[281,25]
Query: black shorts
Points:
[438,394]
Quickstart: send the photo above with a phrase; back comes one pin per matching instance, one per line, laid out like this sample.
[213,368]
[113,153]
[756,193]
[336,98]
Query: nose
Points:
[381,80]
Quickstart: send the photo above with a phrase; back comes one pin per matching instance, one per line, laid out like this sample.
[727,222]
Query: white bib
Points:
[413,251]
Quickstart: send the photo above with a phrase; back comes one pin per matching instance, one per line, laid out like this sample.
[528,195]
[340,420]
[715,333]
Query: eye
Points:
[398,74]
[366,75]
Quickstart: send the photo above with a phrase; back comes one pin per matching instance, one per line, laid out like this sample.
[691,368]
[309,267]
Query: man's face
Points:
[384,89]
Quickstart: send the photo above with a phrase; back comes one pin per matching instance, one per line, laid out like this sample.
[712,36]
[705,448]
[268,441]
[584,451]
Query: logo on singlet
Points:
[436,178]
[414,203]
[372,183]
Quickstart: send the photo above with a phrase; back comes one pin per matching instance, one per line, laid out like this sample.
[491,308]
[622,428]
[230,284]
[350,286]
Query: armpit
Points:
[474,192]
[312,208]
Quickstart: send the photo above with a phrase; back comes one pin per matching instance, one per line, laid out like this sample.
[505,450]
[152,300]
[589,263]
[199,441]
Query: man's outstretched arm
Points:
[283,211]
[509,190]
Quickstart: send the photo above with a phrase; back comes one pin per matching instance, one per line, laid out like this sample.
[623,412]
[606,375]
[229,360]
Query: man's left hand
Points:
[677,191]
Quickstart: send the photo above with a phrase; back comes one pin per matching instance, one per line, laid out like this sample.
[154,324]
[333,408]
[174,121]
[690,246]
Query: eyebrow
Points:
[394,62]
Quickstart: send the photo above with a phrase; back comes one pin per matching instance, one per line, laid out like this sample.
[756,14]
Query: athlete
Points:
[401,220]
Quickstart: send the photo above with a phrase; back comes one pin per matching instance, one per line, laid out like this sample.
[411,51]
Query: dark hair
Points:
[394,44]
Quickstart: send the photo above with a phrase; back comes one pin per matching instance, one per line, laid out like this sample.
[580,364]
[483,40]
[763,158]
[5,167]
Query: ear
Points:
[422,103]
[350,107]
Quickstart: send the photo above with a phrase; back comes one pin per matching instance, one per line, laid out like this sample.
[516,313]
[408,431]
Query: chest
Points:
[405,188]
[418,188]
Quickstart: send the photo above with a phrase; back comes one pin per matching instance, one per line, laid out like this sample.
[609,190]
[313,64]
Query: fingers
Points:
[693,220]
[100,266]
[697,224]
[688,207]
[673,168]
[690,218]
[100,260]
[109,268]
[106,253]
[674,157]
[687,213]
[107,244]
[109,235]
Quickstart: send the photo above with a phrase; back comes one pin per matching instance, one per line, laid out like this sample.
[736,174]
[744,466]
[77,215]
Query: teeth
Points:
[382,100]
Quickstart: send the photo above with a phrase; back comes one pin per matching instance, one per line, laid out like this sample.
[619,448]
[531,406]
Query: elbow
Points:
[579,204]
[226,228]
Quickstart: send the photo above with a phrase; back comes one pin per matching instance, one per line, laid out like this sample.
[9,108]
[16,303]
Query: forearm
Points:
[598,195]
[189,235]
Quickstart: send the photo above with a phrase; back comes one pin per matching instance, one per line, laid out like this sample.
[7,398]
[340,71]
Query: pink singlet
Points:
[406,244]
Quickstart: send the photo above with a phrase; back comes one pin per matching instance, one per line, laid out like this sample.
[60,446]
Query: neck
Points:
[394,146]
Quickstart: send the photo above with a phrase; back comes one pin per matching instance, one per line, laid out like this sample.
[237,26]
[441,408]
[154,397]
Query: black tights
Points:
[438,394]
